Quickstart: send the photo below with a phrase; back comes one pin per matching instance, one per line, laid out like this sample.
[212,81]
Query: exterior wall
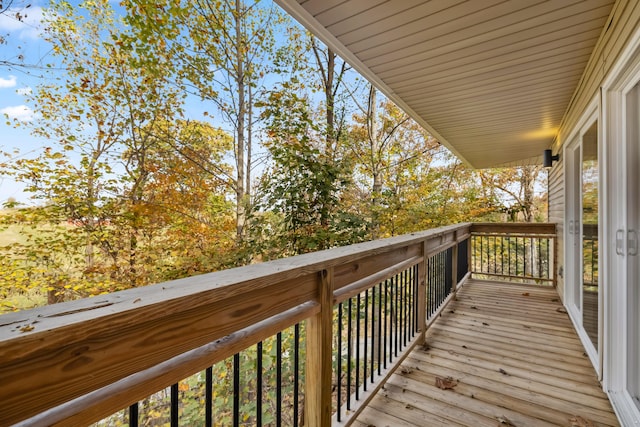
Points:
[556,214]
[624,20]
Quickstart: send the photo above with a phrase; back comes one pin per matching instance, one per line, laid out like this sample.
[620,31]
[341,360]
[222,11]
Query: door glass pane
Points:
[590,233]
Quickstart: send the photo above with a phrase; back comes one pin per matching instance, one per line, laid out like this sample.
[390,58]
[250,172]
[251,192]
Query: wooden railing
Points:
[75,363]
[518,252]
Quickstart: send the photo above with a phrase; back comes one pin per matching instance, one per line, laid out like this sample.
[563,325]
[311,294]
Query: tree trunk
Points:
[240,147]
[376,173]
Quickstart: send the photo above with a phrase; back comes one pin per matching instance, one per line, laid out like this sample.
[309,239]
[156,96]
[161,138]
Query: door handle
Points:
[620,242]
[632,242]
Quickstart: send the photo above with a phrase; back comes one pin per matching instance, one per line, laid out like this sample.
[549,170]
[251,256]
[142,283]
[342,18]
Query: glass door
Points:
[582,175]
[589,236]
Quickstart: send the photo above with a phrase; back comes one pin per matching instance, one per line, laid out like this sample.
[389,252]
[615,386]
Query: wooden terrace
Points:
[514,357]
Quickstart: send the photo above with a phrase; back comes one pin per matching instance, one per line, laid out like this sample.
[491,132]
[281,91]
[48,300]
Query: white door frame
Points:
[573,206]
[621,80]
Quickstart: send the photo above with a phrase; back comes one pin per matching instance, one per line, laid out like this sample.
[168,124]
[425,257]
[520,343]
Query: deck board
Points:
[515,355]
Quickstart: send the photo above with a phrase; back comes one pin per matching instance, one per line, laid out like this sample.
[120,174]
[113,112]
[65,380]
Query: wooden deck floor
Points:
[515,356]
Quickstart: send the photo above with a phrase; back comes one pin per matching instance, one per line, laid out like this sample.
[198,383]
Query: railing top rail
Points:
[527,228]
[46,354]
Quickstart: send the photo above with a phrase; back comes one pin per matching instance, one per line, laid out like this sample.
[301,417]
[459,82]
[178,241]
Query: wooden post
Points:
[422,294]
[318,380]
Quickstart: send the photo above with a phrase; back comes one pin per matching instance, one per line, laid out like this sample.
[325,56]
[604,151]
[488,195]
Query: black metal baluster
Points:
[532,255]
[366,338]
[133,415]
[208,397]
[386,320]
[404,308]
[236,389]
[296,374]
[416,306]
[502,255]
[279,379]
[432,284]
[397,316]
[259,384]
[373,333]
[540,263]
[379,328]
[339,365]
[481,238]
[549,274]
[509,254]
[517,256]
[174,404]
[357,384]
[411,302]
[350,343]
[524,255]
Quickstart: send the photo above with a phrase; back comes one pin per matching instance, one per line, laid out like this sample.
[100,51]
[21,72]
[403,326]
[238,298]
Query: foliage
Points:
[126,177]
[305,184]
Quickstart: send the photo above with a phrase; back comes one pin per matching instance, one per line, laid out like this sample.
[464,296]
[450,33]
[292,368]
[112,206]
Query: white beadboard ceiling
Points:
[491,79]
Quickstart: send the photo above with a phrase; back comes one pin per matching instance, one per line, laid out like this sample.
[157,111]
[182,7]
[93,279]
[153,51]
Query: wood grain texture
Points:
[318,376]
[515,357]
[514,228]
[73,349]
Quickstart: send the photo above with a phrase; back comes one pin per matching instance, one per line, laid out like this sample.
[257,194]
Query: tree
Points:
[516,187]
[220,50]
[382,140]
[120,170]
[305,185]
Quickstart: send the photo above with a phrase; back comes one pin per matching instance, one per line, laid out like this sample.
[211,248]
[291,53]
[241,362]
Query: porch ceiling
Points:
[491,79]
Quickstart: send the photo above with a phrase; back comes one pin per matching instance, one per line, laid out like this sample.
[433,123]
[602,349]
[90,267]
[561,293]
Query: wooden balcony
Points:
[334,337]
[514,357]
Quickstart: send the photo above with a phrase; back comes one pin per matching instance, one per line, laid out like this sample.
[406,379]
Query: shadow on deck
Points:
[516,359]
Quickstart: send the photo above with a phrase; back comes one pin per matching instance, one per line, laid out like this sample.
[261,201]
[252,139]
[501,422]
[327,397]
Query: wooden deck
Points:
[516,359]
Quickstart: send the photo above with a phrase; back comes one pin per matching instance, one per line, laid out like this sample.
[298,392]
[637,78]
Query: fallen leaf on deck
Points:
[447,383]
[137,300]
[503,372]
[406,370]
[485,323]
[578,421]
[408,406]
[526,326]
[555,300]
[27,328]
[561,310]
[452,311]
[474,307]
[504,421]
[525,294]
[464,346]
[425,347]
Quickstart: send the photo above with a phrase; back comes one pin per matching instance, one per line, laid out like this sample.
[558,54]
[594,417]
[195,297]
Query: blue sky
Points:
[23,45]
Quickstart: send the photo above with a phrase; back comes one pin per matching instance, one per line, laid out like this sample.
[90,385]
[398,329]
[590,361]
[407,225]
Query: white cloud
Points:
[24,91]
[18,112]
[10,82]
[27,26]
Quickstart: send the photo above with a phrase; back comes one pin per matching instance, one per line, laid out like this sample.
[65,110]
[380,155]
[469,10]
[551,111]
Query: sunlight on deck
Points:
[515,357]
